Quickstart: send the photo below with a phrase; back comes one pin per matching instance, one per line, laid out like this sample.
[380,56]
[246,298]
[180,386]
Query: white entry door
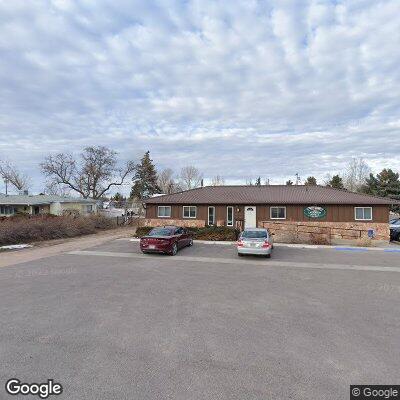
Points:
[250,220]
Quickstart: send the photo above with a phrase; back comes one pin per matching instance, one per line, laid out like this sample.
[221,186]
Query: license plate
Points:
[152,246]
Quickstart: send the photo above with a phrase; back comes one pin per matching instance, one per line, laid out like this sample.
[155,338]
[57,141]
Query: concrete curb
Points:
[302,246]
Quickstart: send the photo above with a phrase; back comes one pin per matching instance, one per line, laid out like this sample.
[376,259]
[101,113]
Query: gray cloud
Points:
[257,88]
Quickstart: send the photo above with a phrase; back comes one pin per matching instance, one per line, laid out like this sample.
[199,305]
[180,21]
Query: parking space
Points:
[280,253]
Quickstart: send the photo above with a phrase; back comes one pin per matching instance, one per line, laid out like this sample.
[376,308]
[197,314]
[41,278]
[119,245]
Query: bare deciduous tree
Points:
[217,181]
[53,188]
[356,172]
[12,175]
[190,177]
[166,181]
[92,176]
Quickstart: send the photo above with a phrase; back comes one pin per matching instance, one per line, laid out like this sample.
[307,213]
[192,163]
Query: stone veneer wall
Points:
[317,232]
[326,232]
[193,223]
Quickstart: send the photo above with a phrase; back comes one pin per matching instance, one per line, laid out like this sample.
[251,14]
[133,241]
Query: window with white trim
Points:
[189,211]
[277,212]
[7,210]
[164,211]
[363,213]
[229,216]
[211,215]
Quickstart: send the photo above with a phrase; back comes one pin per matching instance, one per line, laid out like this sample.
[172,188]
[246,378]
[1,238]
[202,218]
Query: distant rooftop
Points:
[269,194]
[31,200]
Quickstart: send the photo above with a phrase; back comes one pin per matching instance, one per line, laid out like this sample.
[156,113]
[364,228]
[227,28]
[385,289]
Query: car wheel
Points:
[190,242]
[398,237]
[240,254]
[144,252]
[174,249]
[268,255]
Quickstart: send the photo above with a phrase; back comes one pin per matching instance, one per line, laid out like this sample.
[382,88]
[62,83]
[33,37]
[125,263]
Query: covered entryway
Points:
[250,220]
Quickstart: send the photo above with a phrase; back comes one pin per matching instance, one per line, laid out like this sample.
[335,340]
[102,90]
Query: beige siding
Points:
[61,208]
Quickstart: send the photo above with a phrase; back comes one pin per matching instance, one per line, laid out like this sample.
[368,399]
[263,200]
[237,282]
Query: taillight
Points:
[144,241]
[239,243]
[266,244]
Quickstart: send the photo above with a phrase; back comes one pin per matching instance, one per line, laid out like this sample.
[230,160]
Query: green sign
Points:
[315,212]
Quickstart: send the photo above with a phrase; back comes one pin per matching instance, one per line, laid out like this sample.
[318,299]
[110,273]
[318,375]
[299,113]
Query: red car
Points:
[167,239]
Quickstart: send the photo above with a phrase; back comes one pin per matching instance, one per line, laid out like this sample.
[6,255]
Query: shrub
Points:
[143,230]
[22,229]
[222,233]
[320,239]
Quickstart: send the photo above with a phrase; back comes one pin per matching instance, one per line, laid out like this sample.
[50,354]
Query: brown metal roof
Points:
[270,194]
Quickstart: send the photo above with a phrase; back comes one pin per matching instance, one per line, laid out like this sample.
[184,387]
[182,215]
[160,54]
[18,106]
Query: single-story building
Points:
[45,204]
[296,213]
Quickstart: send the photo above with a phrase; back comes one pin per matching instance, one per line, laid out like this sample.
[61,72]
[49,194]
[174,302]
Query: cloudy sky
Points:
[239,88]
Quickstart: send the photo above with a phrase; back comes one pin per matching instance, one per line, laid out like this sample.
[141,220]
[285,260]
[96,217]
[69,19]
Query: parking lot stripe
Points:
[260,263]
[349,249]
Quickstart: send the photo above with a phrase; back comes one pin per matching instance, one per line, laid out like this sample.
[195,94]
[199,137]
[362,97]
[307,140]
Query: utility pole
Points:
[6,182]
[297,178]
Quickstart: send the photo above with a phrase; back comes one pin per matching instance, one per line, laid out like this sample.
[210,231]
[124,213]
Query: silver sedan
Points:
[257,241]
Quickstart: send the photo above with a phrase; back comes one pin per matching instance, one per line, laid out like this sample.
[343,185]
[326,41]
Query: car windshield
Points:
[161,232]
[395,222]
[254,234]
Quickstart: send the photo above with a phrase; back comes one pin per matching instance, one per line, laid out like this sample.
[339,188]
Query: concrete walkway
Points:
[55,247]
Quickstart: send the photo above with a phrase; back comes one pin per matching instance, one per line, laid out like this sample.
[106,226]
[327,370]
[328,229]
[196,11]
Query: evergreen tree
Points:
[385,184]
[258,181]
[336,182]
[118,197]
[311,181]
[145,179]
[289,183]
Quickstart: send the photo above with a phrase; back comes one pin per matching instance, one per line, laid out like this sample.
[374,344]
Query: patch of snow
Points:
[15,246]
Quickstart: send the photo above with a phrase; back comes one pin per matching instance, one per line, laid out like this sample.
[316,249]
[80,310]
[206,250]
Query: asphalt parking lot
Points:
[110,323]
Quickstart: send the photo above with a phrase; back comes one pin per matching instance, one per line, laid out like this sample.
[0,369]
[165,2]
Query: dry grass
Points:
[319,239]
[24,229]
[364,242]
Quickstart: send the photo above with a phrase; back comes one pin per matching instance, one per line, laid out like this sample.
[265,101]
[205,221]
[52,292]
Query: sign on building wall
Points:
[371,233]
[314,212]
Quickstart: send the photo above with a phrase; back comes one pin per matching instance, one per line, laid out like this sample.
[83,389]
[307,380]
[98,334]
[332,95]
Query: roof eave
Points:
[355,203]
